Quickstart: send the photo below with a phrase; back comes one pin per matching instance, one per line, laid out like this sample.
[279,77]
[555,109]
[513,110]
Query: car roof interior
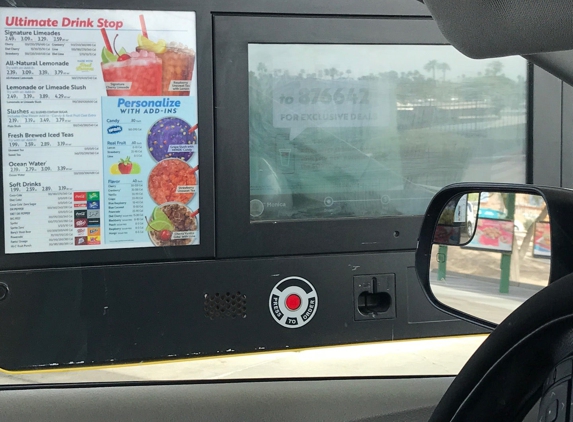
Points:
[541,32]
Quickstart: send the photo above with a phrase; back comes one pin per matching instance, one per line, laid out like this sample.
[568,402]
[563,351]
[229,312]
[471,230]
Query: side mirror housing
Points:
[475,235]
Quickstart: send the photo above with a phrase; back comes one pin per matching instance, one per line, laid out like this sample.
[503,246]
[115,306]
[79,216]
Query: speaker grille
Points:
[225,305]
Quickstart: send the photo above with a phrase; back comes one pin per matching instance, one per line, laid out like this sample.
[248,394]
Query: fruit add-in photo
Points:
[125,166]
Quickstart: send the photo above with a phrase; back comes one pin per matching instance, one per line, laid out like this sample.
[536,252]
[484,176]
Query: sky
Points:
[366,59]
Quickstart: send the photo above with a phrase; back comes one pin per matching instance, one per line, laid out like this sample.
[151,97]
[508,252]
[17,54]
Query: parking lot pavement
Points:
[482,298]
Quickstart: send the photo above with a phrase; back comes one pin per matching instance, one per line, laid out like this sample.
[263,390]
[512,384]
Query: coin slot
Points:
[374,297]
[372,303]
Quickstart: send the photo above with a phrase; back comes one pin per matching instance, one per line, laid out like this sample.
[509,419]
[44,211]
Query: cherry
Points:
[123,57]
[165,235]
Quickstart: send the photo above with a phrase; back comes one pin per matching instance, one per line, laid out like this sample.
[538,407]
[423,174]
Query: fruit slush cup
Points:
[178,63]
[136,76]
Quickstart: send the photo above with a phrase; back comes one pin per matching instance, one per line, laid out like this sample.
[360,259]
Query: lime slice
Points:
[160,225]
[104,59]
[159,215]
[122,51]
[107,56]
[136,169]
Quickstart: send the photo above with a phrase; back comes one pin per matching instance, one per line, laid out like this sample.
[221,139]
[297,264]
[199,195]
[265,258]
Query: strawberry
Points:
[125,166]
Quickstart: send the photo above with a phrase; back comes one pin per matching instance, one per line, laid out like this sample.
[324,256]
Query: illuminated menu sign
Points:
[99,129]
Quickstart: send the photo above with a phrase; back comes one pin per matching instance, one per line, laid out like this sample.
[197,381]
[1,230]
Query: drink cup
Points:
[140,75]
[178,62]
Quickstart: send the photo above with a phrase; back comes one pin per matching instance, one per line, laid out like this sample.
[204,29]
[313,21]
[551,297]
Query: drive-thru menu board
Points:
[99,129]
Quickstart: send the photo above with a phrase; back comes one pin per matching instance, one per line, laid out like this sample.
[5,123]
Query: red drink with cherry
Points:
[137,74]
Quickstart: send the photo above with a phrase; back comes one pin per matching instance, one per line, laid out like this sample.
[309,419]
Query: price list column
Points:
[51,134]
[126,219]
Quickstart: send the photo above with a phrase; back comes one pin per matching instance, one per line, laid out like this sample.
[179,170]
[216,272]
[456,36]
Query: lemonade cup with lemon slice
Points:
[177,59]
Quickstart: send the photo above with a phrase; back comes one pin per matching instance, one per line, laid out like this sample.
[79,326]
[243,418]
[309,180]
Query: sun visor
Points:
[492,28]
[558,63]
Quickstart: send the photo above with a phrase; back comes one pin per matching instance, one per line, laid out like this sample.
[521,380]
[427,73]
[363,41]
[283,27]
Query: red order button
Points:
[293,302]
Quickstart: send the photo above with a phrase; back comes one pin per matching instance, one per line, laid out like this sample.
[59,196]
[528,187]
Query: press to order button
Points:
[293,302]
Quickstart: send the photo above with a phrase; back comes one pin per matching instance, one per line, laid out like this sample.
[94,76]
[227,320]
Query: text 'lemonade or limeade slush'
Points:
[139,75]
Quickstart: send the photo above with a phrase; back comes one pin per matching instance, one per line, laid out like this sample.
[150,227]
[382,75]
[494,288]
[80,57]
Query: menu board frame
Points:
[490,244]
[541,229]
[203,248]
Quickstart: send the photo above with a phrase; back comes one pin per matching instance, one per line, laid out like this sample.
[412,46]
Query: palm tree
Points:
[333,73]
[261,68]
[443,67]
[494,68]
[431,67]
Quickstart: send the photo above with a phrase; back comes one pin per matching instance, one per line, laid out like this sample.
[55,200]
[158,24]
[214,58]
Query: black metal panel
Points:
[205,7]
[546,128]
[149,312]
[236,236]
[567,133]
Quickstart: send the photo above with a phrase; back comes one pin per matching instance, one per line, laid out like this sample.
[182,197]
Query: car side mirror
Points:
[484,249]
[457,221]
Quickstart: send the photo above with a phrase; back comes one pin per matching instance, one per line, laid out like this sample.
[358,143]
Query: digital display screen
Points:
[99,129]
[342,131]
